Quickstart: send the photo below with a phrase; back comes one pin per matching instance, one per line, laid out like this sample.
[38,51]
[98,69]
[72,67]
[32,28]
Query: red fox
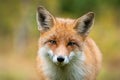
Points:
[65,50]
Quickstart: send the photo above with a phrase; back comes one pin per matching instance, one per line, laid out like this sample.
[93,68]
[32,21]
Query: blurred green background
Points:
[19,34]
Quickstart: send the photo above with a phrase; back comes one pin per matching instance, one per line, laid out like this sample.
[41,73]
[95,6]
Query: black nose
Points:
[60,59]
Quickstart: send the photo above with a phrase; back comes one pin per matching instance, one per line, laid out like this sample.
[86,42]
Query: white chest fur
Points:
[69,72]
[74,70]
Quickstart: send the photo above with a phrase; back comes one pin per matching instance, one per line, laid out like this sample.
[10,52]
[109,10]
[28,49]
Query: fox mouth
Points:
[60,64]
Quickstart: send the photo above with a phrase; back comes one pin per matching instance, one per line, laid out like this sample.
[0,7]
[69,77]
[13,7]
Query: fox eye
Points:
[71,43]
[52,41]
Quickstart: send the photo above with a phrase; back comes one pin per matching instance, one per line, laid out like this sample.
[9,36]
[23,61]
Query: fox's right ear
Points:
[84,24]
[44,19]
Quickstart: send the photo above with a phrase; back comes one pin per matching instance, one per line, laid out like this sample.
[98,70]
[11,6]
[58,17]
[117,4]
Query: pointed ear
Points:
[44,19]
[84,23]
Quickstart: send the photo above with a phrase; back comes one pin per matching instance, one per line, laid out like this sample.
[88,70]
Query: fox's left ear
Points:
[45,20]
[84,23]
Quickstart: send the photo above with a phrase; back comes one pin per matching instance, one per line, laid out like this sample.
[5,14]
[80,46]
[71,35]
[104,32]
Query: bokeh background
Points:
[19,34]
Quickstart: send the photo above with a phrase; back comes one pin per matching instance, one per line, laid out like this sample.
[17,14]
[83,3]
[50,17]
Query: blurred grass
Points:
[19,35]
[19,65]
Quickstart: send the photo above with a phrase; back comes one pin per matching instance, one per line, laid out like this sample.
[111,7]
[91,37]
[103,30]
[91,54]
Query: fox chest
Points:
[54,73]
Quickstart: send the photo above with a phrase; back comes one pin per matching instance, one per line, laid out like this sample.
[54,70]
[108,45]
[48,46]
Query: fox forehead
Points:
[63,25]
[63,30]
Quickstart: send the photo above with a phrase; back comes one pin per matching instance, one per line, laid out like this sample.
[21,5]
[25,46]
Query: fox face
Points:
[62,40]
[61,50]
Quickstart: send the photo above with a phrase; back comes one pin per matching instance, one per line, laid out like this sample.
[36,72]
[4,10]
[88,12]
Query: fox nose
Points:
[60,59]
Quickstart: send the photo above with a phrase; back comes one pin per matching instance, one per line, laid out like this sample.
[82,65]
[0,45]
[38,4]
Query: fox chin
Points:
[66,52]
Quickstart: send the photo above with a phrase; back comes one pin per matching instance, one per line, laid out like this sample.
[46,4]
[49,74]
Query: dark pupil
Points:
[71,43]
[52,41]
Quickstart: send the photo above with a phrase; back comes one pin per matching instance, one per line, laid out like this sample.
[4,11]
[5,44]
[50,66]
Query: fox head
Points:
[62,40]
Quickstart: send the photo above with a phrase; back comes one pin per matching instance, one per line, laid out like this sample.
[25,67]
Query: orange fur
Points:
[63,32]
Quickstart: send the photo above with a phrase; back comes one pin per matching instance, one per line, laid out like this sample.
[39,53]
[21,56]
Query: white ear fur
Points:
[44,19]
[84,23]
